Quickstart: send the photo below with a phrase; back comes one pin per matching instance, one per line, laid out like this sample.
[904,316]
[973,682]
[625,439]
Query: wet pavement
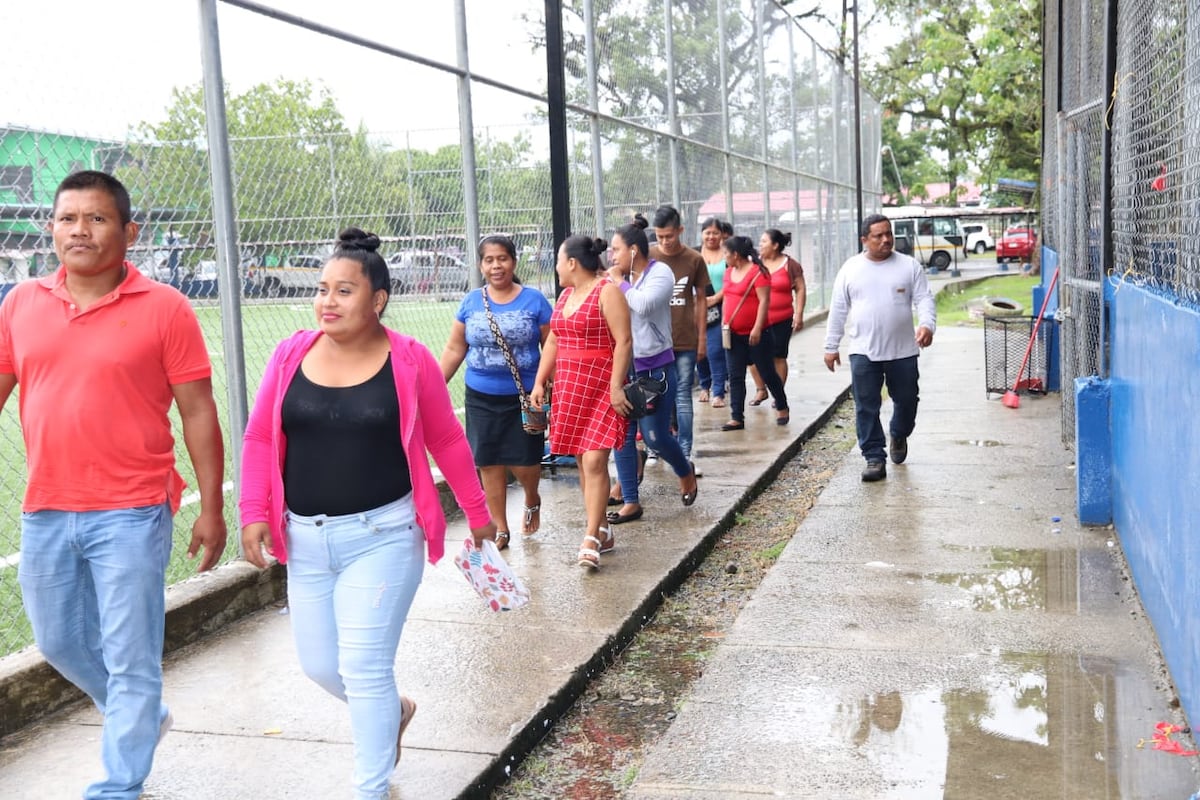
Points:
[949,632]
[937,634]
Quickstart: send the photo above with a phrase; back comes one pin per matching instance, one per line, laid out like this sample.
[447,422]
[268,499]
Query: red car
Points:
[1016,245]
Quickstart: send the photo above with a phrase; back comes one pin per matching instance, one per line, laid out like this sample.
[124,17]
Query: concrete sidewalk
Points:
[950,632]
[922,636]
[250,725]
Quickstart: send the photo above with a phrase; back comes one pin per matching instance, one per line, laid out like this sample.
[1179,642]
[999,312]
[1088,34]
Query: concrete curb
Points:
[30,688]
[528,737]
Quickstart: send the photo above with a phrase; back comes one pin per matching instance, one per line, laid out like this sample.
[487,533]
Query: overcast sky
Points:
[96,68]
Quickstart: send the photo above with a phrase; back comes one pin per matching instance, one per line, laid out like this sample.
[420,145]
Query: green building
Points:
[32,164]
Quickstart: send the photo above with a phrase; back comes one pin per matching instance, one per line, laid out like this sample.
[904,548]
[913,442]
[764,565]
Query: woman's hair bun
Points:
[599,247]
[787,240]
[358,239]
[639,221]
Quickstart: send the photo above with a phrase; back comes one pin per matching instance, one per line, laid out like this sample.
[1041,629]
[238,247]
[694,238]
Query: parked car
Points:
[425,272]
[979,239]
[1016,245]
[295,275]
[14,266]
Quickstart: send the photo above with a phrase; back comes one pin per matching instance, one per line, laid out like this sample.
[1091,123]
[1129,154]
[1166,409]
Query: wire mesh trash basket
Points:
[1005,340]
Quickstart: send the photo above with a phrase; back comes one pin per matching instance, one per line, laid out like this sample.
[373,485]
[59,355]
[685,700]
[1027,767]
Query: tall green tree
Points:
[299,174]
[968,76]
[632,75]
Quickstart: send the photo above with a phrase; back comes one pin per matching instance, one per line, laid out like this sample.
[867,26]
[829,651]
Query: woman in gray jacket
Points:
[648,286]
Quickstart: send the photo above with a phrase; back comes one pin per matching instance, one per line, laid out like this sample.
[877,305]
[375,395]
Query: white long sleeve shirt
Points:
[872,305]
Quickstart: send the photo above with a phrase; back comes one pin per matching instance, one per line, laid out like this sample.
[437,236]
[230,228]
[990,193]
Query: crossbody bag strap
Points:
[504,348]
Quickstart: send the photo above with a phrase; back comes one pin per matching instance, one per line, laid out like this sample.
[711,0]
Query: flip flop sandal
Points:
[502,539]
[526,526]
[718,402]
[703,396]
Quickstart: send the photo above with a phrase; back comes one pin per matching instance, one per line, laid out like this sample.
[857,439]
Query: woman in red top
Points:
[588,354]
[747,292]
[788,294]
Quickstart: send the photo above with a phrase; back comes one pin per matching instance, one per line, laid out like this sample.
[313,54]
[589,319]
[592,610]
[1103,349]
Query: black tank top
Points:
[344,454]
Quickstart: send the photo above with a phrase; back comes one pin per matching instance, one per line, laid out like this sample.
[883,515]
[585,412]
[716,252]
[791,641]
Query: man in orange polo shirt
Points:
[100,353]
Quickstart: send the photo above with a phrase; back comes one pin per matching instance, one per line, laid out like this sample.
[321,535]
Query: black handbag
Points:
[643,393]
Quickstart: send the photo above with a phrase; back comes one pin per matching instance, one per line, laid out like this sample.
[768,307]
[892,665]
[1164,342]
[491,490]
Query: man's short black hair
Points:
[93,179]
[869,222]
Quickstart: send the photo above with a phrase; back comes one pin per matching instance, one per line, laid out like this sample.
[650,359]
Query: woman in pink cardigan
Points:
[336,484]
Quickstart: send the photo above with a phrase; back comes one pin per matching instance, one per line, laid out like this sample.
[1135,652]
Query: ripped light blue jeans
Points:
[351,582]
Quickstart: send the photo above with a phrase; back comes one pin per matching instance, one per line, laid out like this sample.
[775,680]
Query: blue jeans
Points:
[714,363]
[685,373]
[704,373]
[93,584]
[740,356]
[351,581]
[867,379]
[656,433]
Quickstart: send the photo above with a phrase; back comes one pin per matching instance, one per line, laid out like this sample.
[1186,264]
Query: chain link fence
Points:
[720,107]
[1150,115]
[1072,177]
[1156,164]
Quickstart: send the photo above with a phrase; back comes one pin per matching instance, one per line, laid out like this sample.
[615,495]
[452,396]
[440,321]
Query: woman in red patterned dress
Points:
[587,355]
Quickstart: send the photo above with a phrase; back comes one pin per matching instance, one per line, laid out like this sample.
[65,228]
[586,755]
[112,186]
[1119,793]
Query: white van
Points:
[930,236]
[979,238]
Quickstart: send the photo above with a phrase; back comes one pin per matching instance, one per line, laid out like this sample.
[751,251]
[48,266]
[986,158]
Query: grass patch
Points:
[772,553]
[952,306]
[264,325]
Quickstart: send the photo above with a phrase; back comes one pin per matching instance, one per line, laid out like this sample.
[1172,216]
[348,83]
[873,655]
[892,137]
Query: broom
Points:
[1011,399]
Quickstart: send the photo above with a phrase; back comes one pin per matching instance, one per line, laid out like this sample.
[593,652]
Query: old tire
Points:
[1002,307]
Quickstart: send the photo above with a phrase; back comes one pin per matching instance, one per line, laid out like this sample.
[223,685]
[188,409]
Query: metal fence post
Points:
[225,228]
[556,108]
[672,105]
[466,135]
[589,38]
[760,26]
[723,69]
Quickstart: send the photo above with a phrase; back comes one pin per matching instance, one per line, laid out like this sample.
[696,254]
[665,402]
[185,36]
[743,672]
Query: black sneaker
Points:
[875,471]
[899,449]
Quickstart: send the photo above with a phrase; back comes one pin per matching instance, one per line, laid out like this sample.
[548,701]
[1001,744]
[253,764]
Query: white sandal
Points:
[587,557]
[591,558]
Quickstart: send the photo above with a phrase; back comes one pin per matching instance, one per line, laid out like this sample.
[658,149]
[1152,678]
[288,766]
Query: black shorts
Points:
[781,337]
[495,434]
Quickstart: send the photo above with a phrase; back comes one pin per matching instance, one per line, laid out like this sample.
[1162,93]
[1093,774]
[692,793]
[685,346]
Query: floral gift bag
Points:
[490,576]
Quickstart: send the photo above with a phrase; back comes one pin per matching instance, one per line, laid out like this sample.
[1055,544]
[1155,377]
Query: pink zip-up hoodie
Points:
[427,422]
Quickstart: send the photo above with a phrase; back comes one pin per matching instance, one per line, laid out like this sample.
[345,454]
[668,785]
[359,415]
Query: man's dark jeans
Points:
[867,379]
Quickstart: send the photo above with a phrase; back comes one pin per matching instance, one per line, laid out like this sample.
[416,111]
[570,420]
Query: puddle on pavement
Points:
[979,442]
[1020,580]
[1028,722]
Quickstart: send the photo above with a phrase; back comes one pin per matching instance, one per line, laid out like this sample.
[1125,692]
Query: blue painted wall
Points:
[1155,381]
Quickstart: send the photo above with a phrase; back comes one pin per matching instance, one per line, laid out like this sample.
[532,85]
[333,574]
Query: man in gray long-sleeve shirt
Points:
[873,297]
